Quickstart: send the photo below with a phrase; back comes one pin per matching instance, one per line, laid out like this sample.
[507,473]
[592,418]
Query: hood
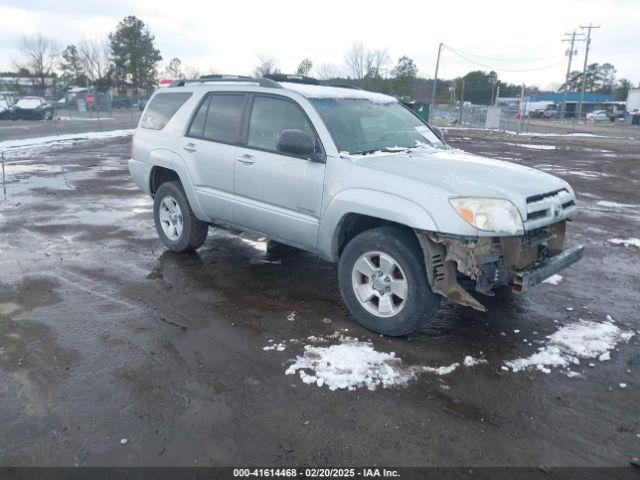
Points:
[464,174]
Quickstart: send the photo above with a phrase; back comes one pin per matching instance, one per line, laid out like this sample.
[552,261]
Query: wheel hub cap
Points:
[171,218]
[379,284]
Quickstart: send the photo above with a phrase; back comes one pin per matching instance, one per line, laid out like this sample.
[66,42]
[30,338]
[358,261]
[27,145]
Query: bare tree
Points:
[356,60]
[191,72]
[328,71]
[363,63]
[174,69]
[40,55]
[376,61]
[95,56]
[267,65]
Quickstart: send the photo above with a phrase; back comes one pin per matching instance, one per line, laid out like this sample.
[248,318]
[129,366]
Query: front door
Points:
[277,194]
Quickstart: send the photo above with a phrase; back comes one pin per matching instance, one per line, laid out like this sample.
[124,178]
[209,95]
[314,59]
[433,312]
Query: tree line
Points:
[128,60]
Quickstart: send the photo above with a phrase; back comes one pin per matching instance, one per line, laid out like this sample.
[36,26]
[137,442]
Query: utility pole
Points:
[584,68]
[571,52]
[522,110]
[435,81]
[461,103]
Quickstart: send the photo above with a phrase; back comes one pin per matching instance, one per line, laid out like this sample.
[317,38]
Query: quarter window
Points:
[269,117]
[161,108]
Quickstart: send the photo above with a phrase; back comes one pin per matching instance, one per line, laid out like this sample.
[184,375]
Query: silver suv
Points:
[356,178]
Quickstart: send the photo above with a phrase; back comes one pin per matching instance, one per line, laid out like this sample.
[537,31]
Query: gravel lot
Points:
[105,336]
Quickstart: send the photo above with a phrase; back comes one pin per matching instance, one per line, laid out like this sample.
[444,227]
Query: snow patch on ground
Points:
[472,362]
[352,363]
[628,242]
[582,339]
[554,279]
[533,146]
[445,370]
[349,365]
[604,203]
[37,143]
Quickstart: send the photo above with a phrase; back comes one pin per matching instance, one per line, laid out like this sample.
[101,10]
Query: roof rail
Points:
[283,77]
[263,82]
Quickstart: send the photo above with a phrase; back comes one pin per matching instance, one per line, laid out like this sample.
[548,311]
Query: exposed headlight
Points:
[489,214]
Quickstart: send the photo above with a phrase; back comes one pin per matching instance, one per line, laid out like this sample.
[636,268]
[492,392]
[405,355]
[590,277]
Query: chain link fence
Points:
[510,119]
[81,111]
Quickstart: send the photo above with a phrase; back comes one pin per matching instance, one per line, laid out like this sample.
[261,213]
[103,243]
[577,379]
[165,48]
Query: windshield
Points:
[364,126]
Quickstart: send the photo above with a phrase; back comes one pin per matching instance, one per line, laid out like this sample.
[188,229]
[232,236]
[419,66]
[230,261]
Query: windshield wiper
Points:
[383,150]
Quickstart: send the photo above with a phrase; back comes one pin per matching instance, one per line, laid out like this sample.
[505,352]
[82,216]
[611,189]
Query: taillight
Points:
[132,139]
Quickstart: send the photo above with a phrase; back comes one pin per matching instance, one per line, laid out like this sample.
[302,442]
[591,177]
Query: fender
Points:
[373,203]
[161,157]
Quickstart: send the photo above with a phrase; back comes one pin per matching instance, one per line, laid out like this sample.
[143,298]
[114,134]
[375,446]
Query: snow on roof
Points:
[321,91]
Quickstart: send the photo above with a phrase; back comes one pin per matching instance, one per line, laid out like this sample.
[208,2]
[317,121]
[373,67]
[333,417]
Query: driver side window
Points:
[269,117]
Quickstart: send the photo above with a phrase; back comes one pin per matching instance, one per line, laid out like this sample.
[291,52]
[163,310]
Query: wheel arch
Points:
[348,214]
[167,166]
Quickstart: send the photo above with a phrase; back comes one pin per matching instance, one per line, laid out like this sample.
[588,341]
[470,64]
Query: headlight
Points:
[489,214]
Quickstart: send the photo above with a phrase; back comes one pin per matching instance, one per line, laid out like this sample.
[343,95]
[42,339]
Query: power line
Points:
[502,59]
[503,69]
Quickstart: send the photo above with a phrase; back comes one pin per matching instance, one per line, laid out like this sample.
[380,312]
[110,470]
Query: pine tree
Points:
[135,56]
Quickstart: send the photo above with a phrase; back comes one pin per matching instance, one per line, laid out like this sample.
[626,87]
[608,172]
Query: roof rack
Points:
[344,85]
[263,82]
[283,77]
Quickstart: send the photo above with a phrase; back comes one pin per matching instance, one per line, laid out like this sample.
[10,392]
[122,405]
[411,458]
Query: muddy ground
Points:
[104,335]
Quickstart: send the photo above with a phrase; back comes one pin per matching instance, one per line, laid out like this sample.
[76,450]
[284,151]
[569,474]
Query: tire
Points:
[193,232]
[400,246]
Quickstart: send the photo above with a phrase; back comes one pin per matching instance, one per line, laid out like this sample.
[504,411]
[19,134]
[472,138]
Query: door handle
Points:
[190,147]
[246,158]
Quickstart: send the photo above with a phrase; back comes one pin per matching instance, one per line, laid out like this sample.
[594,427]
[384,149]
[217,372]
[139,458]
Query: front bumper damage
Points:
[518,262]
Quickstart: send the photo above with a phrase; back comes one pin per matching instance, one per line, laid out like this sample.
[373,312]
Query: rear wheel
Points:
[383,281]
[178,228]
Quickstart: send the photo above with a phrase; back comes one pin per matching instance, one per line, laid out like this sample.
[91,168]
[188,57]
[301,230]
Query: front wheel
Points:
[178,228]
[384,283]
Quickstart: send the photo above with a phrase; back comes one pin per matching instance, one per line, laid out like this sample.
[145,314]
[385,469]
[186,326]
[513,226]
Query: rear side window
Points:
[219,118]
[161,108]
[197,125]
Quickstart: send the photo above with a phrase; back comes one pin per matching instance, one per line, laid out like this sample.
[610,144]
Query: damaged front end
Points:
[515,261]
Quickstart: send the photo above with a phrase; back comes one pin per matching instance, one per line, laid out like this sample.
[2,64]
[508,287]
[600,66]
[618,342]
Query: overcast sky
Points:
[227,36]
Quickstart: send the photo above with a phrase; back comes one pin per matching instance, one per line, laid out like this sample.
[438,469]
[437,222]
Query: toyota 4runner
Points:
[356,178]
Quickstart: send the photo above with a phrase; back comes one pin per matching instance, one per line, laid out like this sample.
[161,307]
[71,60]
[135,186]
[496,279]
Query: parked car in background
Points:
[10,97]
[635,117]
[122,101]
[597,116]
[5,109]
[550,113]
[32,108]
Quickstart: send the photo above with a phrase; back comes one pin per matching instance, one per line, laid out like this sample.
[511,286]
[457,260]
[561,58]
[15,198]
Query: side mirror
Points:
[439,133]
[297,142]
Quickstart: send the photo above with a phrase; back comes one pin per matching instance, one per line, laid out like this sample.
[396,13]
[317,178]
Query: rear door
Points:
[277,194]
[209,149]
